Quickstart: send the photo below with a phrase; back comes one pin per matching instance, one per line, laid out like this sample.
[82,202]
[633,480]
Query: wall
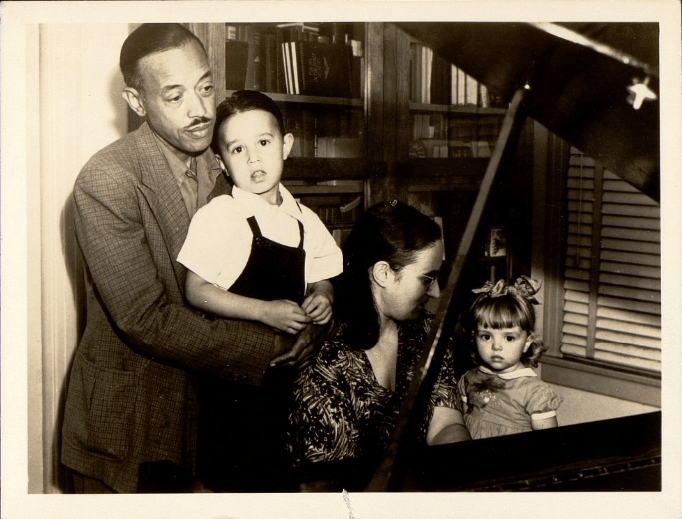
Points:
[76,110]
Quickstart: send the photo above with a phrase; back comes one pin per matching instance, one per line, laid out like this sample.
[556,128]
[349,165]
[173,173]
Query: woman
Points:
[347,402]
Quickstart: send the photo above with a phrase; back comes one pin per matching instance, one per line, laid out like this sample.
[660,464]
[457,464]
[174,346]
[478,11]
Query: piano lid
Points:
[593,84]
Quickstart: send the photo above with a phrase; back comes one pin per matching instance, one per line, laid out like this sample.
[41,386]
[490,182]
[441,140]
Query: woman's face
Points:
[408,290]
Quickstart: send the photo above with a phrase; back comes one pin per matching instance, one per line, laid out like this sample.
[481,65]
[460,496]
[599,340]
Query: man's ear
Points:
[134,100]
[381,273]
[287,143]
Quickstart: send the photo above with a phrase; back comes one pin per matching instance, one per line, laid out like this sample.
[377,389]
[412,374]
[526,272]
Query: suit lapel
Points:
[160,189]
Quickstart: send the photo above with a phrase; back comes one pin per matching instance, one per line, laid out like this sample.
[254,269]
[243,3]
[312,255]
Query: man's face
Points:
[177,97]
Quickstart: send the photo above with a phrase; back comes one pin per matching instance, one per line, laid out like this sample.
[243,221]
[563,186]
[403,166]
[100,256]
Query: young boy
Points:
[257,255]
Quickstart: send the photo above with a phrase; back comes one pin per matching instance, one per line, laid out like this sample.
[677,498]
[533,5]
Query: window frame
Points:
[548,262]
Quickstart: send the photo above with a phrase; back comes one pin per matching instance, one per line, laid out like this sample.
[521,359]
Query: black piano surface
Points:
[620,454]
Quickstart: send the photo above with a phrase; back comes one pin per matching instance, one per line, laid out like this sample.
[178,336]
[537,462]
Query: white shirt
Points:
[219,239]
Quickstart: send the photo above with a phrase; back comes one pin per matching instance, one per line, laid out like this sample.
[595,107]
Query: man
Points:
[130,421]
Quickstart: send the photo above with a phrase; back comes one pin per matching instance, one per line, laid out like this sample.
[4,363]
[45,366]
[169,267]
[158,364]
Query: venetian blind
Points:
[612,282]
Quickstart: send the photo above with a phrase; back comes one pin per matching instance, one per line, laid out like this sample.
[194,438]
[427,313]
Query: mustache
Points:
[198,122]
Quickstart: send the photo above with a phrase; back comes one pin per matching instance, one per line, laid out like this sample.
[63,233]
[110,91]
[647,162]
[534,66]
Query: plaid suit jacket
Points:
[130,396]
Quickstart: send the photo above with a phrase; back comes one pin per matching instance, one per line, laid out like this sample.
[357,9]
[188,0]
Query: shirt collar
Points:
[254,202]
[521,372]
[206,160]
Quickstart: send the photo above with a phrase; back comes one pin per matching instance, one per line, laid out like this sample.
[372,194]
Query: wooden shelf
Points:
[430,167]
[348,187]
[463,109]
[312,100]
[304,168]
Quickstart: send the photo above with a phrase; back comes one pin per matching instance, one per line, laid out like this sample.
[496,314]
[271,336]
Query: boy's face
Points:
[254,150]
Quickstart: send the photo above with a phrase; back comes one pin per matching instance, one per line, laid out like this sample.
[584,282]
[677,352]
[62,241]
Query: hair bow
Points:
[524,286]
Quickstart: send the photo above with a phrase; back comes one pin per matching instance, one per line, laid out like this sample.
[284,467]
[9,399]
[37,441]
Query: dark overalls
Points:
[242,428]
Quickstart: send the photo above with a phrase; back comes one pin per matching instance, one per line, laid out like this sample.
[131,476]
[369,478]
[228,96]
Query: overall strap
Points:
[301,230]
[255,229]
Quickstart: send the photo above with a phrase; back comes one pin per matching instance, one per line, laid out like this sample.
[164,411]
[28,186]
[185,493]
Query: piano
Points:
[564,76]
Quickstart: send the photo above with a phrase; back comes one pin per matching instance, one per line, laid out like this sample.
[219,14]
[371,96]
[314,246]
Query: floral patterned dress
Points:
[341,411]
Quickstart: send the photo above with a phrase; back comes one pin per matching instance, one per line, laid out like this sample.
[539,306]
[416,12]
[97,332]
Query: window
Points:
[609,293]
[612,279]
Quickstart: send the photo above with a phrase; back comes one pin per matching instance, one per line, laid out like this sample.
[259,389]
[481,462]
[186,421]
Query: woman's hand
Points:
[447,426]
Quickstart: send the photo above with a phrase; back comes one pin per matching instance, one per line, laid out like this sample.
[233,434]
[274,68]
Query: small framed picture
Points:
[497,242]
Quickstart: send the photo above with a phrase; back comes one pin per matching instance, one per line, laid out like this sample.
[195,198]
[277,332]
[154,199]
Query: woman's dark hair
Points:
[147,39]
[388,231]
[244,101]
[500,306]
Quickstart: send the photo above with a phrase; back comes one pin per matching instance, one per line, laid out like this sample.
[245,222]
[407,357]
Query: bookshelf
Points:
[372,138]
[451,123]
[315,72]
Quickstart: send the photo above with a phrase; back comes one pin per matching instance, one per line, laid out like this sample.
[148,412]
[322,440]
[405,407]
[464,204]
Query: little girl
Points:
[503,395]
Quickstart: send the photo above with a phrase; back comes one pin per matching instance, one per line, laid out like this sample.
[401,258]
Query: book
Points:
[294,66]
[253,70]
[440,80]
[323,69]
[339,147]
[286,61]
[461,87]
[236,64]
[271,62]
[281,66]
[471,98]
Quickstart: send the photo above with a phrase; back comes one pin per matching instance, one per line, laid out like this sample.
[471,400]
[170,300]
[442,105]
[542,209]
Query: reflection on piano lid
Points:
[593,84]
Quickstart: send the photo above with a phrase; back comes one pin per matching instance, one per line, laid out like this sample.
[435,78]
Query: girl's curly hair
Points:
[500,306]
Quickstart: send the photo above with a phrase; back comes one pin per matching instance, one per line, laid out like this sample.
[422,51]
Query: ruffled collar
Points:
[521,372]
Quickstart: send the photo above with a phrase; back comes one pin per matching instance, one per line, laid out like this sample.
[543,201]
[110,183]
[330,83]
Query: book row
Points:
[440,126]
[434,80]
[441,149]
[294,59]
[331,132]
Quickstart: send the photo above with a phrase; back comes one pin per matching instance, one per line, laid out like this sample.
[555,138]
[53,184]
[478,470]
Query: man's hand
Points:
[302,350]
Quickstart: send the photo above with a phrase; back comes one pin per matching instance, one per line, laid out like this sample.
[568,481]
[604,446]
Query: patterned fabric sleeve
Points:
[445,391]
[322,417]
[542,399]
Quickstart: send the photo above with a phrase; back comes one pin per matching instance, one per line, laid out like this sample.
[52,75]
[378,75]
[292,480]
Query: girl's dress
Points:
[501,404]
[341,411]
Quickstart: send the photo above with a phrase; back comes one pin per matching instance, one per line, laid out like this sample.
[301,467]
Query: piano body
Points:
[571,78]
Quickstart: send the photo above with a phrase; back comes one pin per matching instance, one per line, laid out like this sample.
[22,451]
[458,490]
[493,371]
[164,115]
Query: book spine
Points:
[461,87]
[295,71]
[270,62]
[471,91]
[287,67]
[281,65]
[301,68]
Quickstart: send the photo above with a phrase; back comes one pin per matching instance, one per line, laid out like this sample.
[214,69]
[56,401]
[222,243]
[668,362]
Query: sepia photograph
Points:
[451,282]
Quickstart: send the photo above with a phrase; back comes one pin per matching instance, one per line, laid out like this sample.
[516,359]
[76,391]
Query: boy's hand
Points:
[285,315]
[318,306]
